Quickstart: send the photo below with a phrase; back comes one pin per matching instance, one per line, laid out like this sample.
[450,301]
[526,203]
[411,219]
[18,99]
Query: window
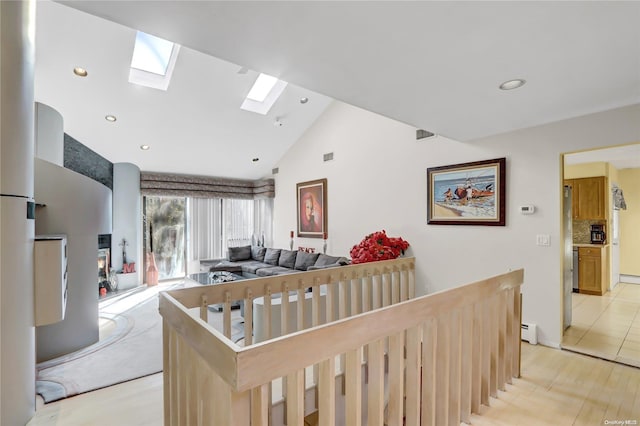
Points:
[215,224]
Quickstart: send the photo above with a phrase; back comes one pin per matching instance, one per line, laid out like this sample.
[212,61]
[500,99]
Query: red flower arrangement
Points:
[378,246]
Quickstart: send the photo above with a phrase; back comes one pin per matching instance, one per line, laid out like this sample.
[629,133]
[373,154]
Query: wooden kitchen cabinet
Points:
[588,198]
[593,270]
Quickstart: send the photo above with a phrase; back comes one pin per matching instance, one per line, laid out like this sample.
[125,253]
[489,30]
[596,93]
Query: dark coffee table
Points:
[218,277]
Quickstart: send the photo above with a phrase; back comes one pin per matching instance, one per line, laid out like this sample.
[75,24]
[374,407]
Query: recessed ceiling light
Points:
[144,147]
[304,100]
[512,84]
[110,118]
[80,72]
[255,160]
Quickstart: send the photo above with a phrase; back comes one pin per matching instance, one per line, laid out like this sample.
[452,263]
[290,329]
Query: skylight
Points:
[262,87]
[265,92]
[153,61]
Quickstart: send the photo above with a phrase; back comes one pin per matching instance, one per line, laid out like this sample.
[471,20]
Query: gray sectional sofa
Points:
[256,261]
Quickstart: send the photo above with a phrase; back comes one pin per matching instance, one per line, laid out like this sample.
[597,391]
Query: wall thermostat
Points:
[528,209]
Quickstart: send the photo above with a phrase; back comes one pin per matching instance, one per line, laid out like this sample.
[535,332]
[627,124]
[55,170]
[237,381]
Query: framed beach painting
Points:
[312,209]
[467,193]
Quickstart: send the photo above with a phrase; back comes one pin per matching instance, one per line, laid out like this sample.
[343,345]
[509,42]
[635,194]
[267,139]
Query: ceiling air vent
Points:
[275,171]
[422,134]
[328,156]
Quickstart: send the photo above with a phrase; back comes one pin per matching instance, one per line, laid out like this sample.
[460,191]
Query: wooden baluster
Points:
[376,290]
[353,388]
[205,392]
[395,286]
[367,291]
[443,368]
[315,303]
[466,363]
[327,392]
[412,283]
[356,297]
[404,284]
[342,297]
[375,412]
[260,405]
[284,310]
[267,313]
[386,287]
[502,334]
[517,336]
[182,381]
[493,383]
[486,352]
[300,308]
[295,398]
[226,314]
[248,318]
[455,361]
[413,374]
[477,354]
[509,337]
[330,311]
[396,379]
[430,349]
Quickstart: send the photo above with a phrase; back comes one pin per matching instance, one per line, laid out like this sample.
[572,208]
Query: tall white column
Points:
[127,222]
[17,338]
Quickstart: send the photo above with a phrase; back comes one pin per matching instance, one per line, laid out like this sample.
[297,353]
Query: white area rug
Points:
[131,351]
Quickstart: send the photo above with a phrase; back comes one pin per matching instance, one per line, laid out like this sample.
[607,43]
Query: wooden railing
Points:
[439,356]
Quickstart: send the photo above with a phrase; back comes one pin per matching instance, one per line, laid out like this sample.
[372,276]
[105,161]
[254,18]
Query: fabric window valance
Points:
[163,184]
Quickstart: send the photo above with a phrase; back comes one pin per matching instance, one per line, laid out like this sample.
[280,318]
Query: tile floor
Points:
[607,326]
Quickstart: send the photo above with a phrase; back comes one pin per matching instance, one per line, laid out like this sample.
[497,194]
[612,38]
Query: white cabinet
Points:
[50,277]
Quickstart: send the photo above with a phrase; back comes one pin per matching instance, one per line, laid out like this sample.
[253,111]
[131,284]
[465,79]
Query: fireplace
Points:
[105,283]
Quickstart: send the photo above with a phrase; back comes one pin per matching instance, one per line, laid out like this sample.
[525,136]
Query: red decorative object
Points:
[291,234]
[378,246]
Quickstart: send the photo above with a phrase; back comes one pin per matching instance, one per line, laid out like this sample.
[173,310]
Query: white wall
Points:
[377,180]
[79,207]
[49,134]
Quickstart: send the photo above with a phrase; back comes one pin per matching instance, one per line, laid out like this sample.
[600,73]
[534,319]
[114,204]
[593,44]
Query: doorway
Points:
[164,234]
[606,325]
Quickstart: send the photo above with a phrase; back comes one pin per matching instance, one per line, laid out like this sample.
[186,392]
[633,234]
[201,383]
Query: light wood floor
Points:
[607,326]
[556,388]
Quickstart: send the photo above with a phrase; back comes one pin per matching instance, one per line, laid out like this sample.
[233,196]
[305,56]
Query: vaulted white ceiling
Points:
[433,65]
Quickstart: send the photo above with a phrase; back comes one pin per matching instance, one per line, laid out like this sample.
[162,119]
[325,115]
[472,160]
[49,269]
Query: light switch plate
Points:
[543,240]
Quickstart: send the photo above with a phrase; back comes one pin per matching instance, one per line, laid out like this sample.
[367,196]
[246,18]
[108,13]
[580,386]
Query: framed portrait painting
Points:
[312,208]
[467,193]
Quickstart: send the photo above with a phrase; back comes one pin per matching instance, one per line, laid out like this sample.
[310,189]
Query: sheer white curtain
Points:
[215,224]
[263,220]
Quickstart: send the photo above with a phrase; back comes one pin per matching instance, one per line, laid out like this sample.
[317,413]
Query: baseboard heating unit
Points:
[530,333]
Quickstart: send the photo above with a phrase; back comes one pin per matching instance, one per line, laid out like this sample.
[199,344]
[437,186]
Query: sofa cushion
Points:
[251,266]
[274,270]
[287,258]
[304,260]
[271,256]
[257,253]
[239,253]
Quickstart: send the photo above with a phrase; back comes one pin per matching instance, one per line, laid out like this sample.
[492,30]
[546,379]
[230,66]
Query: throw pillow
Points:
[257,253]
[287,258]
[271,256]
[304,260]
[324,260]
[239,253]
